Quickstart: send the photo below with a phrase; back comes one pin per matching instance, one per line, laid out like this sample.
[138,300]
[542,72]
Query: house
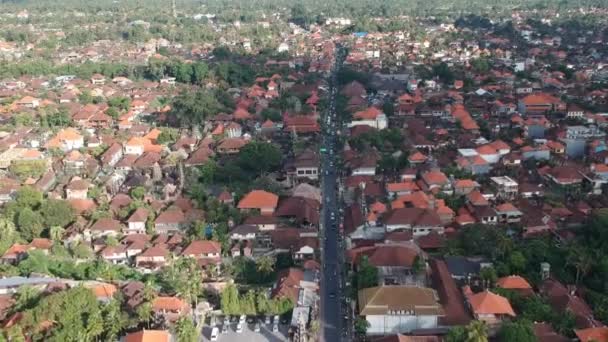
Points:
[244,232]
[399,309]
[506,187]
[15,253]
[169,309]
[148,336]
[401,188]
[153,258]
[464,186]
[490,307]
[98,79]
[540,103]
[105,227]
[306,165]
[372,117]
[463,268]
[263,201]
[436,180]
[136,224]
[206,252]
[419,221]
[565,175]
[395,262]
[508,213]
[111,156]
[77,189]
[114,254]
[231,145]
[66,139]
[170,221]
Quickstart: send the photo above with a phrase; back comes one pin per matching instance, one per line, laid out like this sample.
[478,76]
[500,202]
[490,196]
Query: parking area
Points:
[230,334]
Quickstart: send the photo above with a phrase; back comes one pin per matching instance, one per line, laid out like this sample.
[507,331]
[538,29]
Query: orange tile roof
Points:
[148,336]
[258,199]
[168,303]
[417,157]
[477,198]
[368,114]
[599,334]
[104,290]
[465,183]
[378,207]
[153,134]
[486,149]
[506,207]
[435,177]
[513,282]
[488,303]
[403,186]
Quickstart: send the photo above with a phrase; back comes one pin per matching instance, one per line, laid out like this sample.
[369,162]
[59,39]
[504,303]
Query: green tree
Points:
[138,193]
[361,326]
[9,234]
[520,331]
[167,136]
[488,276]
[517,262]
[367,274]
[56,233]
[185,330]
[260,157]
[477,331]
[230,301]
[189,108]
[114,318]
[29,197]
[30,224]
[271,114]
[265,265]
[456,334]
[57,212]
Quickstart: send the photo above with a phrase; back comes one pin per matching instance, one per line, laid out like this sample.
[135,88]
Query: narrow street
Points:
[332,282]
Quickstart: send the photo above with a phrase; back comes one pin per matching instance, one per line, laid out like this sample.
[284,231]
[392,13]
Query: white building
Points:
[399,309]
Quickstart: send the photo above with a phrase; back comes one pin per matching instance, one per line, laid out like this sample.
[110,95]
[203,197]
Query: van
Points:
[215,332]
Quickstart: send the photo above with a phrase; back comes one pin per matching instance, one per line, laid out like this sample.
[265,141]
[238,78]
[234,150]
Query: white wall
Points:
[393,324]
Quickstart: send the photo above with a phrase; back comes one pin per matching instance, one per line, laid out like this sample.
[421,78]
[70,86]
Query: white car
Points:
[215,332]
[275,327]
[242,319]
[239,328]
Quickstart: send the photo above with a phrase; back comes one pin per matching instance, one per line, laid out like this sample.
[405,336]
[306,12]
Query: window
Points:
[309,172]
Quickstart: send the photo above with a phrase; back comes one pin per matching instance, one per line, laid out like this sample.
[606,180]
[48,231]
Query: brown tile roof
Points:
[169,304]
[413,217]
[288,284]
[106,224]
[171,216]
[381,300]
[140,215]
[199,247]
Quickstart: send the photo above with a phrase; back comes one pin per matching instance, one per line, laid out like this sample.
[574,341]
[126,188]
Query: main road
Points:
[331,276]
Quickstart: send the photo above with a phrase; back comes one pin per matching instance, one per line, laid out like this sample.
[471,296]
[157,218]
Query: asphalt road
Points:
[332,281]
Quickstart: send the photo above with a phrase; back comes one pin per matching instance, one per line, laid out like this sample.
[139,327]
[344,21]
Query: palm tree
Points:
[56,233]
[265,265]
[477,331]
[581,260]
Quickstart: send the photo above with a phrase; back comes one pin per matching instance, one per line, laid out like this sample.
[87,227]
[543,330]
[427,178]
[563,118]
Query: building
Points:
[399,309]
[505,186]
[372,117]
[489,307]
[263,201]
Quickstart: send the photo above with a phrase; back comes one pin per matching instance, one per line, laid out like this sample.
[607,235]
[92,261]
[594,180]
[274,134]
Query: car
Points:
[275,327]
[215,332]
[267,320]
[251,319]
[239,328]
[224,328]
[256,328]
[242,319]
[226,320]
[276,319]
[332,295]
